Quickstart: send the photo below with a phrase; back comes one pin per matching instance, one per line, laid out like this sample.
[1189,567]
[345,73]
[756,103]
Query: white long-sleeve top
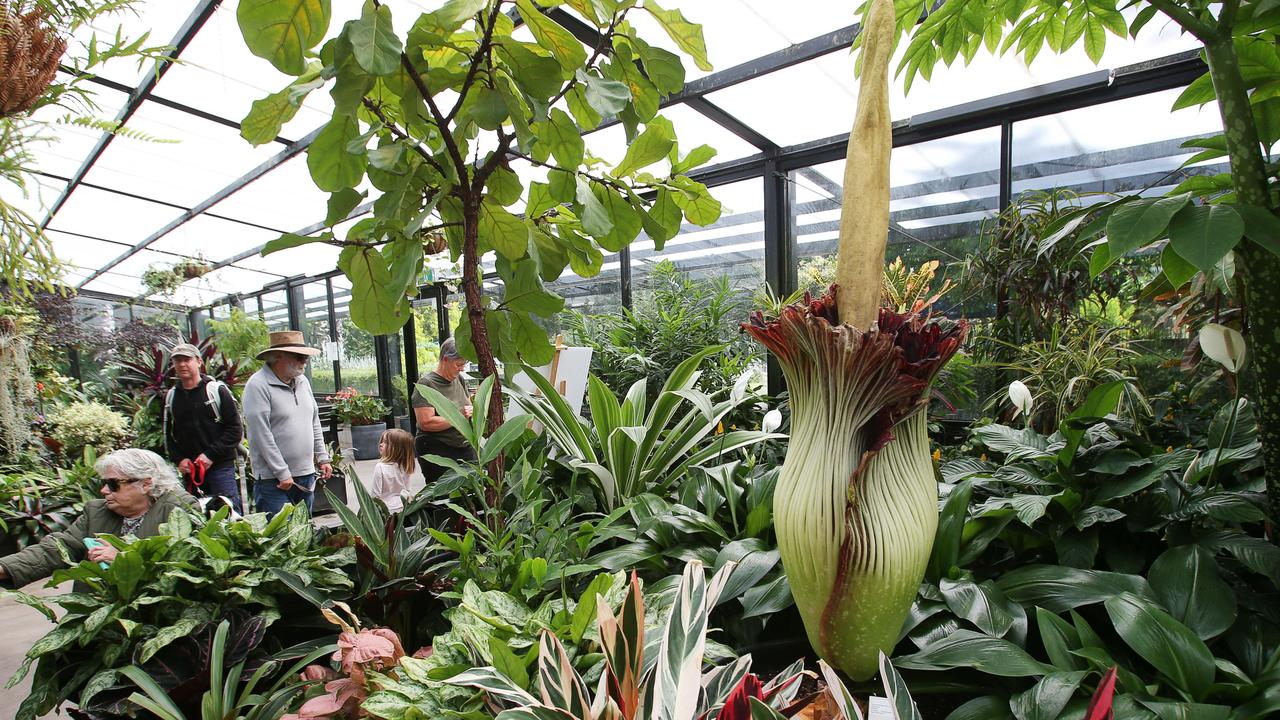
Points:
[390,482]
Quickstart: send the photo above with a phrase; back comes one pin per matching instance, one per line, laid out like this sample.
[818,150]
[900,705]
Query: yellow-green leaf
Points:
[564,47]
[687,35]
[283,31]
[377,47]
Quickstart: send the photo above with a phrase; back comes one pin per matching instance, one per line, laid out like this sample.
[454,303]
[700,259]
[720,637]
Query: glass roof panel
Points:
[817,99]
[219,75]
[285,198]
[737,31]
[116,284]
[83,253]
[694,129]
[215,238]
[205,157]
[304,260]
[70,144]
[232,280]
[111,216]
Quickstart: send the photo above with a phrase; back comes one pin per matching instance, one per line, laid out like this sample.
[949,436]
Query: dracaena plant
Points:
[629,447]
[441,118]
[856,504]
[636,685]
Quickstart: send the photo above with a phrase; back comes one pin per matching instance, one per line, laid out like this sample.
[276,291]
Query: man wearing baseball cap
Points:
[286,442]
[435,435]
[202,428]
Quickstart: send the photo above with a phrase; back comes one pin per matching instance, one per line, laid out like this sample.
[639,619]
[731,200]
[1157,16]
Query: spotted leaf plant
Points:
[856,505]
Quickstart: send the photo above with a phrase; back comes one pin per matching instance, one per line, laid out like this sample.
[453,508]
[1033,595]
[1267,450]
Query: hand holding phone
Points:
[91,543]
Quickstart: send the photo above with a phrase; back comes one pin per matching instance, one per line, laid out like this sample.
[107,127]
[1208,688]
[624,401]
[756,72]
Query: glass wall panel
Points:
[356,348]
[315,332]
[426,327]
[275,310]
[1126,146]
[940,192]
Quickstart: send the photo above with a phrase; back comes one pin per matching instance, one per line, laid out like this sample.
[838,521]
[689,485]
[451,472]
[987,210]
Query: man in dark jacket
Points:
[202,428]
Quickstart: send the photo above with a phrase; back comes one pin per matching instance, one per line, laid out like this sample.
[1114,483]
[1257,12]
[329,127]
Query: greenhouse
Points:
[590,359]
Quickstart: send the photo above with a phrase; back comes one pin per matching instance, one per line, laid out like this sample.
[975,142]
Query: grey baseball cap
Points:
[185,350]
[449,350]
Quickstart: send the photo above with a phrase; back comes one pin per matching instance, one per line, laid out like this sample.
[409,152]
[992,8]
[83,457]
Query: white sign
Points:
[879,708]
[569,379]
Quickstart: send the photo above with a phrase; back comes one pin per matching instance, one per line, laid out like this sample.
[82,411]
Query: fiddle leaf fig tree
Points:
[469,120]
[1219,225]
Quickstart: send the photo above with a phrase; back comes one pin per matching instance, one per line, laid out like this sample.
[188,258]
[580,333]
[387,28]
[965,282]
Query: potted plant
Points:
[191,268]
[161,280]
[364,413]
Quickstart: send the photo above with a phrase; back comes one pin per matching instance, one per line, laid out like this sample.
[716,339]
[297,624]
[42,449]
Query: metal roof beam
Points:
[172,104]
[271,164]
[203,11]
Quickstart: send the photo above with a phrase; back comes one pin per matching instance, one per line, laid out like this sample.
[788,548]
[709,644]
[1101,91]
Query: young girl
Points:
[391,475]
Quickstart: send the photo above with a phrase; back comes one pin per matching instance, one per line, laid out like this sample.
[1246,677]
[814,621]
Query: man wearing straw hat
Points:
[283,425]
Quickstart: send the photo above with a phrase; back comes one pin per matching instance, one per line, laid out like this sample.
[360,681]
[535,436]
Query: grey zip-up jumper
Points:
[282,423]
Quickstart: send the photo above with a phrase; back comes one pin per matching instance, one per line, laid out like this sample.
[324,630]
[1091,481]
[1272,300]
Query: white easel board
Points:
[567,373]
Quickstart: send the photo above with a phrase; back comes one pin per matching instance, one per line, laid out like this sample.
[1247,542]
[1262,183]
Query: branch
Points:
[476,60]
[1227,19]
[1189,22]
[399,133]
[597,51]
[496,159]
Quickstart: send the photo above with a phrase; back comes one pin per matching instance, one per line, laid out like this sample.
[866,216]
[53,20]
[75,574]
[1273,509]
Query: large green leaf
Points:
[1139,223]
[1101,401]
[1203,234]
[1260,226]
[948,538]
[378,306]
[267,115]
[969,649]
[606,97]
[561,138]
[687,35]
[377,47]
[984,605]
[649,147]
[561,43]
[501,230]
[1047,698]
[1059,588]
[332,166]
[283,31]
[1175,267]
[1164,642]
[1187,583]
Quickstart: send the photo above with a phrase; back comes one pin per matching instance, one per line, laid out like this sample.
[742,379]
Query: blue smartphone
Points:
[91,543]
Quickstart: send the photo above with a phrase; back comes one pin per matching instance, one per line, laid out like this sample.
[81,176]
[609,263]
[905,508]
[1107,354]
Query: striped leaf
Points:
[904,708]
[623,640]
[674,687]
[559,683]
[494,683]
[849,709]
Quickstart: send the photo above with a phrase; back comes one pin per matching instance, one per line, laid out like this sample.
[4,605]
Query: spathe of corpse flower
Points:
[856,506]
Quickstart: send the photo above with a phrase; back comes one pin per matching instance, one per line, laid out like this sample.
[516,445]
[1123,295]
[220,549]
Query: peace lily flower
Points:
[772,421]
[1020,396]
[1223,345]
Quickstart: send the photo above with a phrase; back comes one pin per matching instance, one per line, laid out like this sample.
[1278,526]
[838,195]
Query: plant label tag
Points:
[331,350]
[879,708]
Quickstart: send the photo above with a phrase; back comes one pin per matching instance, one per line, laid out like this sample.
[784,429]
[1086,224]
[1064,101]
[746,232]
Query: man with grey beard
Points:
[282,422]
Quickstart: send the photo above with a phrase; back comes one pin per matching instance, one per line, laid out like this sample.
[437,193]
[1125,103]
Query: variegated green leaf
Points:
[559,683]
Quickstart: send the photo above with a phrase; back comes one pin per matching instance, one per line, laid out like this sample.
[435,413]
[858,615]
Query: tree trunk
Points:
[1258,269]
[471,279]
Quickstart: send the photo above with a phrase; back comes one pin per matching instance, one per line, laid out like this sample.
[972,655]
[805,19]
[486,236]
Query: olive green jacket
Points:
[38,561]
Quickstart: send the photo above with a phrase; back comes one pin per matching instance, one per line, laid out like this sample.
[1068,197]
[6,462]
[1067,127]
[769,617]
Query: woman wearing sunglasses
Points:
[139,490]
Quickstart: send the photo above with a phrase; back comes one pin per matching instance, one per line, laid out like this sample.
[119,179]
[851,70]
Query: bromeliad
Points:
[856,505]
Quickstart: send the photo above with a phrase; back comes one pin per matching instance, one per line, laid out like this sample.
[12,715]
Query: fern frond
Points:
[111,126]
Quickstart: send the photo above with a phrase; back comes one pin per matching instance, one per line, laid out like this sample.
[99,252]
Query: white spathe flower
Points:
[1223,345]
[1020,396]
[772,421]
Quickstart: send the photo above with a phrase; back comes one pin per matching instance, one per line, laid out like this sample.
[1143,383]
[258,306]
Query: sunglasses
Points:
[113,484]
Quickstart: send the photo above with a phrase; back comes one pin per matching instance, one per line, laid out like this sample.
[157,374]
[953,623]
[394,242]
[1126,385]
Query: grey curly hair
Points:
[138,463]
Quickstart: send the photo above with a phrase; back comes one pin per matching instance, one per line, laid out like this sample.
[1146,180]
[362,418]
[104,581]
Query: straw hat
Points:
[289,341]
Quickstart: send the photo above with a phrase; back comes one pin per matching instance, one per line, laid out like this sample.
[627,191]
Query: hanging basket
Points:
[29,55]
